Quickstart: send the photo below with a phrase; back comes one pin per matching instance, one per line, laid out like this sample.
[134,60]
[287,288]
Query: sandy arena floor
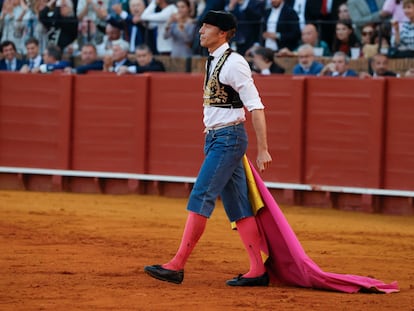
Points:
[61,251]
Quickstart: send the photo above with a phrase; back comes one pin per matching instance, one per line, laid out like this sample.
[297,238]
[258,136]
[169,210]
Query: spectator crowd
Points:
[123,36]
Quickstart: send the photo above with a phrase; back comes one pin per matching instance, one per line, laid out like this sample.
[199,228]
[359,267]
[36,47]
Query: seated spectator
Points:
[52,60]
[181,29]
[309,36]
[345,38]
[404,37]
[281,27]
[119,57]
[111,34]
[157,13]
[379,67]
[365,11]
[145,62]
[33,56]
[339,67]
[89,61]
[307,64]
[59,19]
[409,73]
[373,40]
[264,63]
[9,62]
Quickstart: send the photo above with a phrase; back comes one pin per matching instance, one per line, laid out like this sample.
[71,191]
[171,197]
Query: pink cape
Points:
[288,263]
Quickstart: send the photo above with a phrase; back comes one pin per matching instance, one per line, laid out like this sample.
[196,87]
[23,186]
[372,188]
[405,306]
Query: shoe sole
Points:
[158,277]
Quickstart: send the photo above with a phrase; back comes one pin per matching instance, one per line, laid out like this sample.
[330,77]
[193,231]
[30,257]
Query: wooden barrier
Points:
[324,133]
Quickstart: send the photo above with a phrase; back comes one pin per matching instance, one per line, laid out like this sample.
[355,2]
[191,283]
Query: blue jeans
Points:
[222,173]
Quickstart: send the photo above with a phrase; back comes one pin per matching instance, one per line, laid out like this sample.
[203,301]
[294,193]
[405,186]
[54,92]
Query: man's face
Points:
[32,50]
[112,33]
[9,52]
[136,7]
[309,35]
[143,57]
[209,35]
[276,3]
[380,64]
[47,59]
[88,55]
[305,57]
[118,53]
[340,64]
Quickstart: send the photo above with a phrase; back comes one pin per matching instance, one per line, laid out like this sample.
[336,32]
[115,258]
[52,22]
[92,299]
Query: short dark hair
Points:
[7,43]
[32,40]
[54,51]
[266,53]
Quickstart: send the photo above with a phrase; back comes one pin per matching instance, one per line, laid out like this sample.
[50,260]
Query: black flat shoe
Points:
[160,273]
[239,280]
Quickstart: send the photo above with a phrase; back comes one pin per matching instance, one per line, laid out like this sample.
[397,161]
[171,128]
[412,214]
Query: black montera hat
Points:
[223,20]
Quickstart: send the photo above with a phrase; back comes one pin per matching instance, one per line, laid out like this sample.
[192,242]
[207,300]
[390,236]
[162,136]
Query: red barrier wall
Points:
[283,98]
[176,124]
[109,123]
[35,117]
[344,132]
[399,137]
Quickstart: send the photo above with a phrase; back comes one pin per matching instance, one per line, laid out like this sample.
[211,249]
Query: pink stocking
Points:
[193,230]
[249,234]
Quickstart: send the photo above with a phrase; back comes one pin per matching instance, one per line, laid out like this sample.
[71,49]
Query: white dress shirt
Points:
[236,73]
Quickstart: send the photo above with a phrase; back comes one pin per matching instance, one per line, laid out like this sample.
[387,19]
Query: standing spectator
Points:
[119,57]
[343,12]
[339,67]
[60,20]
[89,61]
[307,64]
[394,10]
[111,34]
[52,60]
[33,57]
[136,31]
[249,15]
[181,29]
[264,62]
[345,38]
[281,27]
[404,37]
[9,62]
[14,16]
[87,33]
[157,13]
[365,11]
[145,62]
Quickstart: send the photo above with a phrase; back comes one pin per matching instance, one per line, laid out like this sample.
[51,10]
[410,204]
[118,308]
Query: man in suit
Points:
[33,57]
[307,65]
[119,57]
[364,11]
[52,60]
[9,61]
[339,67]
[249,18]
[281,27]
[145,62]
[89,59]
